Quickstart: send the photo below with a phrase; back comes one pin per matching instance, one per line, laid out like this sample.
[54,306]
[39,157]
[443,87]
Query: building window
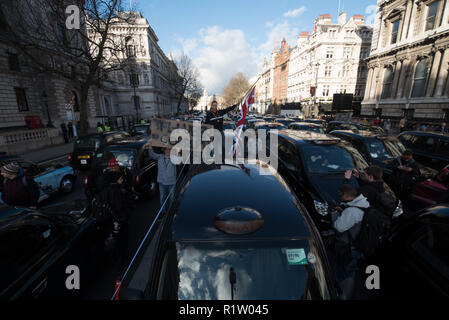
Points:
[13,62]
[358,91]
[388,82]
[432,11]
[332,33]
[327,71]
[345,71]
[330,52]
[347,52]
[343,89]
[395,29]
[21,98]
[419,79]
[325,91]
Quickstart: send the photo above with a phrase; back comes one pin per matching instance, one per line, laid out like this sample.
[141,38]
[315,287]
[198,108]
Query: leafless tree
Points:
[185,81]
[235,89]
[84,55]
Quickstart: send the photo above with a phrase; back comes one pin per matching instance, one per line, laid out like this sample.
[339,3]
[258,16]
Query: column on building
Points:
[443,74]
[433,73]
[402,78]
[397,75]
[408,84]
[369,80]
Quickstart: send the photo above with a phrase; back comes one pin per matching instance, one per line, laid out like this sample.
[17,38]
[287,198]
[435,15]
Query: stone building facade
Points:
[154,70]
[27,92]
[204,103]
[264,86]
[328,61]
[409,61]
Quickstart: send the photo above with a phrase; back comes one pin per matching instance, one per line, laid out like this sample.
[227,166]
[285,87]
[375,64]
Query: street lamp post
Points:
[135,83]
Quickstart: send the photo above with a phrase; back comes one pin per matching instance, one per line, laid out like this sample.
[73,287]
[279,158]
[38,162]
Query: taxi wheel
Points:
[66,185]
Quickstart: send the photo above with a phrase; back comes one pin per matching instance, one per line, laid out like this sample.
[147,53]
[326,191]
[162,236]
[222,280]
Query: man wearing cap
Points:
[19,189]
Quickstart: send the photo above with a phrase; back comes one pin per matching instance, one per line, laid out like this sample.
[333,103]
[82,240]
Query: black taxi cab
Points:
[233,232]
[314,165]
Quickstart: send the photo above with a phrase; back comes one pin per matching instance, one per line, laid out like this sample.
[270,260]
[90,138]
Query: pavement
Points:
[52,153]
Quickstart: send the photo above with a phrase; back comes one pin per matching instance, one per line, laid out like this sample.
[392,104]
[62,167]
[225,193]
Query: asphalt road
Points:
[103,286]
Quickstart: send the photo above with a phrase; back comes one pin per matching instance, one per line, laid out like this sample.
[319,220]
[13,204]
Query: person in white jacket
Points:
[351,216]
[347,224]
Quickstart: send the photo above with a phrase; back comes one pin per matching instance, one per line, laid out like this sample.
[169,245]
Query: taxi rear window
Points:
[194,271]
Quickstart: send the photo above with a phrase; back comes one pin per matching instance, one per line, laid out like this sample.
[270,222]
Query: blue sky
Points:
[229,36]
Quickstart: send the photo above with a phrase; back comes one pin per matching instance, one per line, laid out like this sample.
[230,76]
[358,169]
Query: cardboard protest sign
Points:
[161,130]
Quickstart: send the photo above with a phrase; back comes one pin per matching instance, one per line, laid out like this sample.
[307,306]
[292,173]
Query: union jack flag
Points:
[247,102]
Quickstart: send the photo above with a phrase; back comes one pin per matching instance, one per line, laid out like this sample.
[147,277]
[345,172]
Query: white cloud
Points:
[295,12]
[219,55]
[275,35]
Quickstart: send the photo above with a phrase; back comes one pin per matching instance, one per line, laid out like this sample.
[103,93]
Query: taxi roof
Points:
[209,189]
[306,137]
[364,134]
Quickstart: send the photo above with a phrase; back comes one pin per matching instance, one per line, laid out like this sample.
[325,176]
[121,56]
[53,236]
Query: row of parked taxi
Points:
[230,228]
[210,245]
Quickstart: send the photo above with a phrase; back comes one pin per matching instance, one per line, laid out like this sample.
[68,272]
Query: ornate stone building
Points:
[409,61]
[328,61]
[148,74]
[264,86]
[205,101]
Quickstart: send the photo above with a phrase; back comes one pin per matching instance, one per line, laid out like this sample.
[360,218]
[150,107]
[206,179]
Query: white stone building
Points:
[264,86]
[329,60]
[205,101]
[408,64]
[154,92]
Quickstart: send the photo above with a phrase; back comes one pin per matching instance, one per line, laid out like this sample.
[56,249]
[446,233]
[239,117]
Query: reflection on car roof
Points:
[211,188]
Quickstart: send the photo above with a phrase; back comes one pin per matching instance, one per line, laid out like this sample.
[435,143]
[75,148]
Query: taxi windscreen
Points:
[88,142]
[124,157]
[236,271]
[319,159]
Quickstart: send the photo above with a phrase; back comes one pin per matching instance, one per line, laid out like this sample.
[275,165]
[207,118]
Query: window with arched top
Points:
[146,79]
[419,79]
[387,83]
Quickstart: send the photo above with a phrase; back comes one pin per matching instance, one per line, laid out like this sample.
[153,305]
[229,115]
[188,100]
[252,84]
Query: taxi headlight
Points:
[398,211]
[321,207]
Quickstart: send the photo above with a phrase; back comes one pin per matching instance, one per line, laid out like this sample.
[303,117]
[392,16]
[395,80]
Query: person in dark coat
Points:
[215,117]
[372,186]
[70,127]
[405,171]
[19,189]
[64,133]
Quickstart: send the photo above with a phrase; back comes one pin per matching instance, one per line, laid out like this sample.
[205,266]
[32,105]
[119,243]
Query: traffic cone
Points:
[118,286]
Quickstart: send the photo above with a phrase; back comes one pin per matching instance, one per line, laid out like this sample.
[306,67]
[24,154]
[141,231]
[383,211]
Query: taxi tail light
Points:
[137,181]
[86,182]
[69,157]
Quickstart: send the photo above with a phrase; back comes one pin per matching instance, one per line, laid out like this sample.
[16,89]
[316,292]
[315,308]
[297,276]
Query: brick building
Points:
[280,84]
